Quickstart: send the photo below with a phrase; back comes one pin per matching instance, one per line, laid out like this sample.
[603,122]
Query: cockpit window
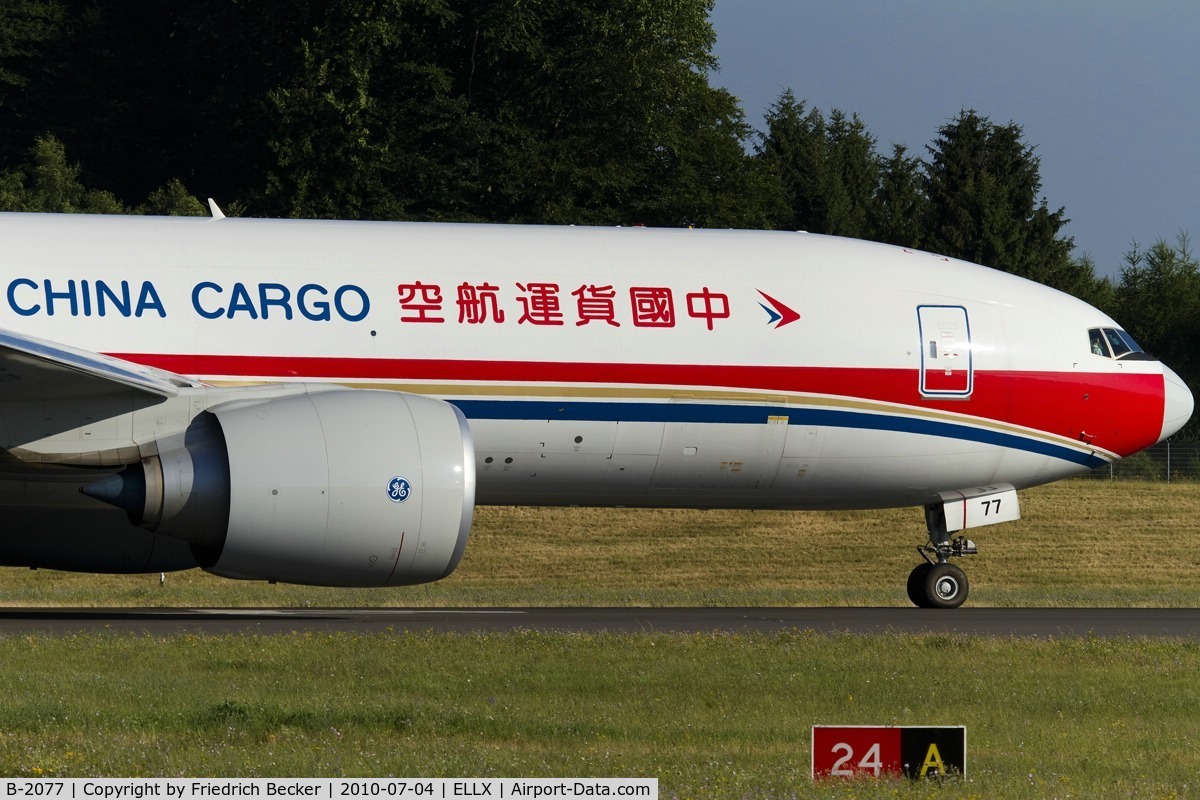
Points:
[1115,343]
[1133,346]
[1119,348]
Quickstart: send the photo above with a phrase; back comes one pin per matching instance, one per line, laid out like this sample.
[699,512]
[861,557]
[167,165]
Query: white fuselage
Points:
[620,366]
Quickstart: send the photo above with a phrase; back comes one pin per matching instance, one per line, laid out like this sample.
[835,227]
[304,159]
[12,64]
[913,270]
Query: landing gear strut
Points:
[937,583]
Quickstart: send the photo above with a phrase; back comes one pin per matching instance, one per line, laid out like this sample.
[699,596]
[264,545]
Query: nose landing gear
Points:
[937,583]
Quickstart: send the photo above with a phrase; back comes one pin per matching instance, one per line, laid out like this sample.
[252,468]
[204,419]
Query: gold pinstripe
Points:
[522,391]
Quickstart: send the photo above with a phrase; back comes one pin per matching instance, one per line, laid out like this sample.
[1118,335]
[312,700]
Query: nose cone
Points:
[1178,406]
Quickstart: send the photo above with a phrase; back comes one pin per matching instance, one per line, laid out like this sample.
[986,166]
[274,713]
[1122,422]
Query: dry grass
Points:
[1080,542]
[1084,542]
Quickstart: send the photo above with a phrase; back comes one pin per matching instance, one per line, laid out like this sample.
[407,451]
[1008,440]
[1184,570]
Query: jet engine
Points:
[341,487]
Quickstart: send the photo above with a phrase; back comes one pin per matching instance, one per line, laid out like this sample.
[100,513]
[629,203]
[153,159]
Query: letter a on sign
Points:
[933,752]
[933,762]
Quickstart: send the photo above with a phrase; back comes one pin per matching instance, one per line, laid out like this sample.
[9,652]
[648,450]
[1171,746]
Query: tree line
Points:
[509,111]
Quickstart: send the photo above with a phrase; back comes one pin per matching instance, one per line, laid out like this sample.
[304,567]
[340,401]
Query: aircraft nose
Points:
[1178,405]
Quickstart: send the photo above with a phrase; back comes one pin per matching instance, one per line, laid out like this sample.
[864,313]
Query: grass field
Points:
[709,716]
[716,716]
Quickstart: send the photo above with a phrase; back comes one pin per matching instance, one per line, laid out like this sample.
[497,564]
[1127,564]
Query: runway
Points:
[1004,622]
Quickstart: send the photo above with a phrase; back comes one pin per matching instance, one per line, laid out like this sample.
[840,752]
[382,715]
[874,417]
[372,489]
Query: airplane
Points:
[326,402]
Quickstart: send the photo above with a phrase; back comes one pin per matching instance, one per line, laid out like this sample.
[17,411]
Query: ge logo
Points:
[399,489]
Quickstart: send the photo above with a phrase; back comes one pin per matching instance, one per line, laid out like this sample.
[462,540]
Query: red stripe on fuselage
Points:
[1118,412]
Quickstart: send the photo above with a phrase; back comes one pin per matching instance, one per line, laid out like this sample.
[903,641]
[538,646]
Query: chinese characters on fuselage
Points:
[544,303]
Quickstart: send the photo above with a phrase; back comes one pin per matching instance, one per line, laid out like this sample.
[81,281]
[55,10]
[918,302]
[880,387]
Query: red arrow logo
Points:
[779,313]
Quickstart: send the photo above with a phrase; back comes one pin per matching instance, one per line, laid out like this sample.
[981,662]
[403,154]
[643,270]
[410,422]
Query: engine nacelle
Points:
[333,488]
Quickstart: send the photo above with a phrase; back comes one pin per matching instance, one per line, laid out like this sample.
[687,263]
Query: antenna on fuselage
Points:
[217,213]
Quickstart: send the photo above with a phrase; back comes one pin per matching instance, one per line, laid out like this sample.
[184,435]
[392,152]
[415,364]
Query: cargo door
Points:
[945,335]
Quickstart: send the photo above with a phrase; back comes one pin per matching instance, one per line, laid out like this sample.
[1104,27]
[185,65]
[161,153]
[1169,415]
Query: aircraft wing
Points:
[36,370]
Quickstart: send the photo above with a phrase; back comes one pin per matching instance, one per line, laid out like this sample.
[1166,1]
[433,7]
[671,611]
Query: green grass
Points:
[1080,543]
[718,716]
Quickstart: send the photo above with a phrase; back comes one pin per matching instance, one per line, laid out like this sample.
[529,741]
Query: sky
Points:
[1107,93]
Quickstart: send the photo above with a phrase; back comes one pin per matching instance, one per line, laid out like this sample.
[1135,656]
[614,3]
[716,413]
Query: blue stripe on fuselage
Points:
[587,411]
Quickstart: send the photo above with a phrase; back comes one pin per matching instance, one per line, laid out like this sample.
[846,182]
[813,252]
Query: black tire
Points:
[916,585]
[945,586]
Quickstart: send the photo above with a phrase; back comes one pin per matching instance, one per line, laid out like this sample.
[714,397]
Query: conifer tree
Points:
[982,183]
